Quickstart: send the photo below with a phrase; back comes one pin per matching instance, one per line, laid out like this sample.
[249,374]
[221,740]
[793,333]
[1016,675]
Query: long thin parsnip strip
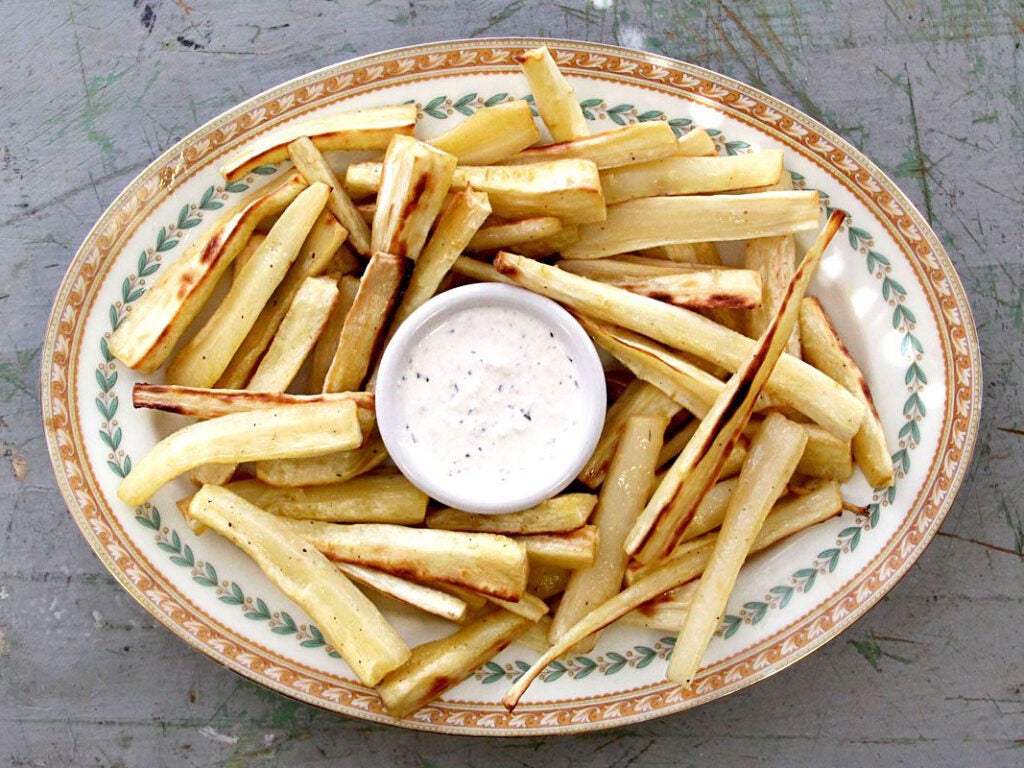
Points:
[774,454]
[493,565]
[301,327]
[371,128]
[415,177]
[294,338]
[693,388]
[787,518]
[313,260]
[349,621]
[699,465]
[624,146]
[462,216]
[334,467]
[156,321]
[528,606]
[653,221]
[490,134]
[554,97]
[825,350]
[211,403]
[560,514]
[205,357]
[566,189]
[365,323]
[696,143]
[575,549]
[794,382]
[305,429]
[493,237]
[441,664]
[638,399]
[775,260]
[409,592]
[630,479]
[481,271]
[691,175]
[327,344]
[386,498]
[313,167]
[685,287]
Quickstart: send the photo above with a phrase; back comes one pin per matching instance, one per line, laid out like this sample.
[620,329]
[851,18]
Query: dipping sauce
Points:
[490,400]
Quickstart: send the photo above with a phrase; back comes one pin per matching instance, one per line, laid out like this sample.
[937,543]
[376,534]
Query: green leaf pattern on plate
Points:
[577,667]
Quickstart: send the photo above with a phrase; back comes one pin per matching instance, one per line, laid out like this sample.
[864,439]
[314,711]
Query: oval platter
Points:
[886,281]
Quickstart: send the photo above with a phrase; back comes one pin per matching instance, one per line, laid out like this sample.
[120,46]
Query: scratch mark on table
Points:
[985,544]
[872,651]
[507,12]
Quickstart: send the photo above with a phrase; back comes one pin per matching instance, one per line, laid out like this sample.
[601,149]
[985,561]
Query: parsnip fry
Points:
[554,97]
[825,350]
[639,399]
[255,241]
[296,335]
[490,564]
[794,383]
[387,498]
[653,221]
[441,664]
[775,260]
[696,143]
[327,344]
[773,456]
[415,178]
[631,144]
[205,357]
[313,167]
[335,467]
[528,606]
[306,429]
[630,478]
[313,259]
[348,620]
[365,323]
[546,581]
[560,514]
[690,175]
[787,518]
[693,388]
[493,237]
[211,403]
[569,190]
[425,598]
[699,465]
[465,211]
[575,549]
[682,285]
[156,321]
[371,128]
[491,134]
[480,271]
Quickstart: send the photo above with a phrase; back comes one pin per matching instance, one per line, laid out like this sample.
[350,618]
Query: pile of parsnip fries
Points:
[735,410]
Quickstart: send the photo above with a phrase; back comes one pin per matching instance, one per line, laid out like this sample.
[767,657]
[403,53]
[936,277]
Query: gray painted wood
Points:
[90,92]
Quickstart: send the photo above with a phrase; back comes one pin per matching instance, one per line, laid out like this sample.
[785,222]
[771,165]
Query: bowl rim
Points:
[450,304]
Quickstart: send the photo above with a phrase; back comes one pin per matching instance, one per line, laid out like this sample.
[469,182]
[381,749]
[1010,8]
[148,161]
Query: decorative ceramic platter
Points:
[886,281]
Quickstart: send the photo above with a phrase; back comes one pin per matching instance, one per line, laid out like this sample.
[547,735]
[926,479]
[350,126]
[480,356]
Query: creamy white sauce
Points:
[489,399]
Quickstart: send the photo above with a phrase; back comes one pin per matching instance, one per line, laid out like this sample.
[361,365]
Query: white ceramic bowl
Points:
[540,458]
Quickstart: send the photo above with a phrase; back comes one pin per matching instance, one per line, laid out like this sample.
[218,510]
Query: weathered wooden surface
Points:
[90,92]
